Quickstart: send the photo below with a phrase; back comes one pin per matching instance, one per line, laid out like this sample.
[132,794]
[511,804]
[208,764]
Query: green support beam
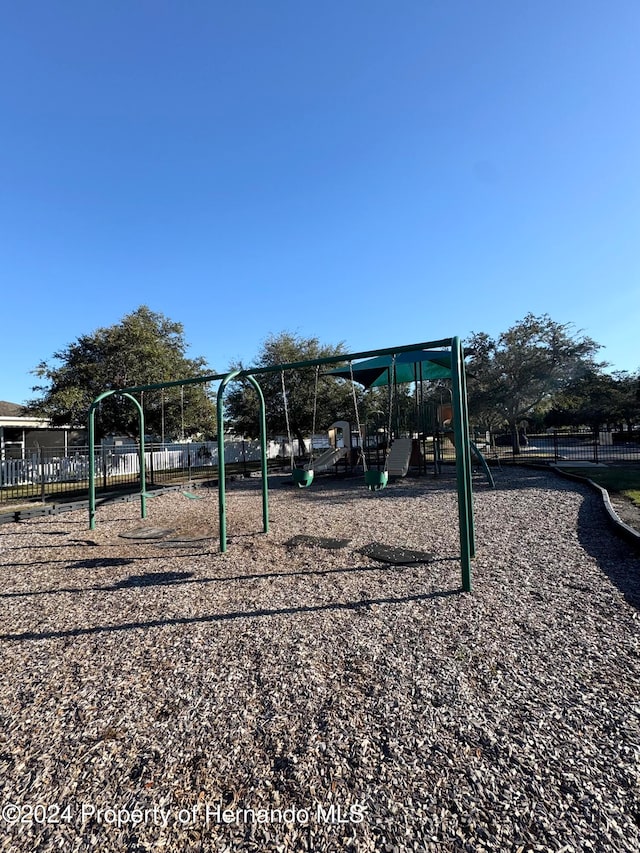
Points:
[294,365]
[463,463]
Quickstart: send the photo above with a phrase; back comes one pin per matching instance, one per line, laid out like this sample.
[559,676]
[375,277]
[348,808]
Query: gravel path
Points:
[289,697]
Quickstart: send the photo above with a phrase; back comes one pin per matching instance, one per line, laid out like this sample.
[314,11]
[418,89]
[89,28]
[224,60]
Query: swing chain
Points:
[313,425]
[355,406]
[162,414]
[286,417]
[182,412]
[392,383]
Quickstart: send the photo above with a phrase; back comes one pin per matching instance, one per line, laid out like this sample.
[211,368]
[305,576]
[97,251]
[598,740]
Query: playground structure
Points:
[396,463]
[338,450]
[399,457]
[414,362]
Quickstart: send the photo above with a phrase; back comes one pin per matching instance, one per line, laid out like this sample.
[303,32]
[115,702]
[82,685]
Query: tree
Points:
[519,373]
[589,401]
[598,399]
[334,400]
[627,398]
[143,348]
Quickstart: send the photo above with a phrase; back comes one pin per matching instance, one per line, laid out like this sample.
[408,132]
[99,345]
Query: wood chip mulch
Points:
[309,698]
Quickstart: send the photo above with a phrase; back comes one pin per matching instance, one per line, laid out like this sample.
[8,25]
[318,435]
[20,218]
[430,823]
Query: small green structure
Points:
[414,362]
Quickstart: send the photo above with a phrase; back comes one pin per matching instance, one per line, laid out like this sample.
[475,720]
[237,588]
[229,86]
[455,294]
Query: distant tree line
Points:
[539,373]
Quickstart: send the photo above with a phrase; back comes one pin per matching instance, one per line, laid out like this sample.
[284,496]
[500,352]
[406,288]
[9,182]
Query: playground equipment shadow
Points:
[360,604]
[610,554]
[173,578]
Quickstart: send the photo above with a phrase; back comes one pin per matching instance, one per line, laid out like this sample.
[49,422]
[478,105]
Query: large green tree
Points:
[518,374]
[334,398]
[143,348]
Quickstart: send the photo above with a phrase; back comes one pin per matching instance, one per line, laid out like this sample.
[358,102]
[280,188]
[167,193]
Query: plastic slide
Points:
[398,460]
[483,462]
[328,458]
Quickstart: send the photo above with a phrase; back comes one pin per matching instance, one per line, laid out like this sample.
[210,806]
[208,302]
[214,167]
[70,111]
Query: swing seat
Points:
[376,480]
[302,478]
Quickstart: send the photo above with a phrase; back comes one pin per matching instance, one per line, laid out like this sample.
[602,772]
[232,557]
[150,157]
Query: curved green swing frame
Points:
[460,426]
[222,501]
[92,453]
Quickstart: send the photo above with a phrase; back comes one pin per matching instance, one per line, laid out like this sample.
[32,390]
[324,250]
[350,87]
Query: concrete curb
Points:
[624,530]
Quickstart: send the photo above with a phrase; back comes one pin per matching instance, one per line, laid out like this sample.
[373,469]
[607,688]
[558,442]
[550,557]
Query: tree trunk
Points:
[302,448]
[515,439]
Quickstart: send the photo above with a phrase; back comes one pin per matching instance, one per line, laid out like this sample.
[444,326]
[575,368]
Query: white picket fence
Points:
[21,472]
[124,461]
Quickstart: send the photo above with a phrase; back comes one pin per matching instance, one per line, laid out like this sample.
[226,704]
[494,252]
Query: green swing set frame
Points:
[451,346]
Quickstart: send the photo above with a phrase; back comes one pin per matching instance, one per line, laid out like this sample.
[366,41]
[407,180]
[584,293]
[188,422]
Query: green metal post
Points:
[462,469]
[92,458]
[467,457]
[263,454]
[92,470]
[143,466]
[222,498]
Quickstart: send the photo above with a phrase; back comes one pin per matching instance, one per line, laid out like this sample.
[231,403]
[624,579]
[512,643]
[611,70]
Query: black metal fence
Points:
[556,446]
[46,474]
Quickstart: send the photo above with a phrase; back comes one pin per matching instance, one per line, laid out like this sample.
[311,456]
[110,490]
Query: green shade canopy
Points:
[411,366]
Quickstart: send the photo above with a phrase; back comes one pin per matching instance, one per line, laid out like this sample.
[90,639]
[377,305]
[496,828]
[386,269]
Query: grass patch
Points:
[625,480]
[633,495]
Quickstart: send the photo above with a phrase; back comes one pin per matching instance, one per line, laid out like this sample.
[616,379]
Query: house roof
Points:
[11,410]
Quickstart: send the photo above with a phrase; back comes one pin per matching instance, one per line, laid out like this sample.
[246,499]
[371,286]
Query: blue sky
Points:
[371,172]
